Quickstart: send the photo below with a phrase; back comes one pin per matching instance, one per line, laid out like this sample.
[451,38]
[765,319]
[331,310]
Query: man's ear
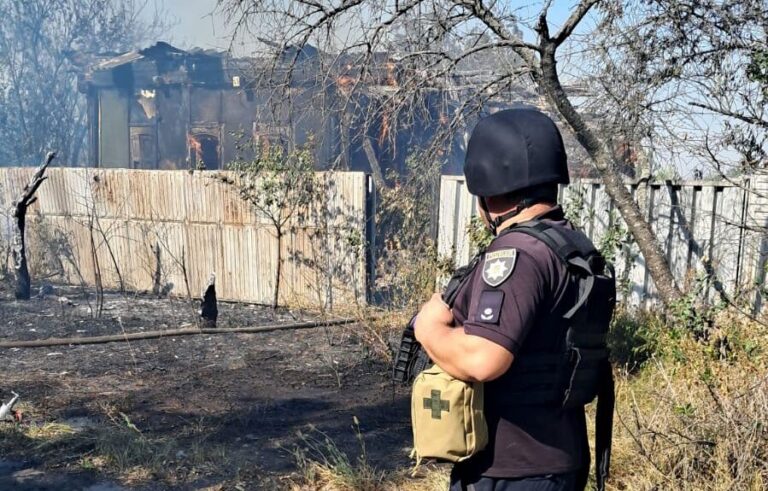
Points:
[481,213]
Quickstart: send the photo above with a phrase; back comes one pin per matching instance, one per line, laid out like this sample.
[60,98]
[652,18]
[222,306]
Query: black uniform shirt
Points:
[515,298]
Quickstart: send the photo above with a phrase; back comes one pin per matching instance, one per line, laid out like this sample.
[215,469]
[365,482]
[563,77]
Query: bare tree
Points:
[20,206]
[279,185]
[43,46]
[689,77]
[435,43]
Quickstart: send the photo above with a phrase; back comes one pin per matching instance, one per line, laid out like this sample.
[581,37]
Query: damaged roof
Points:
[160,64]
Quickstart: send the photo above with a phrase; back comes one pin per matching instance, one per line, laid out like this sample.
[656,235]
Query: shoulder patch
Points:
[498,265]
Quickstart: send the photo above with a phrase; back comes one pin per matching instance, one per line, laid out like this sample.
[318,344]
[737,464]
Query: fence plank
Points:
[682,229]
[601,215]
[727,237]
[695,222]
[199,225]
[701,252]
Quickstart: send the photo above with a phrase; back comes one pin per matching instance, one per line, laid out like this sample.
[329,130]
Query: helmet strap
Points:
[495,223]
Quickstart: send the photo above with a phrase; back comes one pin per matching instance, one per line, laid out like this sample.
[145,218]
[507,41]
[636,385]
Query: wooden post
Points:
[758,224]
[19,247]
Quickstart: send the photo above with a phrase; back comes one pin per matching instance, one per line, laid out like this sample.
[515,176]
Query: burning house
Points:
[165,108]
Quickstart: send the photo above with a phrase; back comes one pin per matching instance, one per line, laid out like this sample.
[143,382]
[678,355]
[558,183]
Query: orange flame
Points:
[345,82]
[195,147]
[391,79]
[384,128]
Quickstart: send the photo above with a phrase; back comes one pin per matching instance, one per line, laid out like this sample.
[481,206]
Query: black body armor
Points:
[579,371]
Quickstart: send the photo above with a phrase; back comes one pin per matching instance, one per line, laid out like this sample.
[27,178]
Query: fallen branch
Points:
[116,338]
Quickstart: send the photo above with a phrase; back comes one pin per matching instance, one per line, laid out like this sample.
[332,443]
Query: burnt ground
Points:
[195,412]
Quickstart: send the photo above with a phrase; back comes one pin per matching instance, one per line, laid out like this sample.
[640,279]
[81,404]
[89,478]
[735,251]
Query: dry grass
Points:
[691,414]
[694,417]
[324,467]
[118,448]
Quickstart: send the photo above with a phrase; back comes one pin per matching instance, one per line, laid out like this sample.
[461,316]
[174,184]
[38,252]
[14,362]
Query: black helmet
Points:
[512,150]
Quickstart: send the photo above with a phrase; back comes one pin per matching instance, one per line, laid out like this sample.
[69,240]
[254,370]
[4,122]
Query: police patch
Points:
[498,265]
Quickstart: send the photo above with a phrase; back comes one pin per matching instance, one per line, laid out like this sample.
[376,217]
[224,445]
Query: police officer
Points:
[511,306]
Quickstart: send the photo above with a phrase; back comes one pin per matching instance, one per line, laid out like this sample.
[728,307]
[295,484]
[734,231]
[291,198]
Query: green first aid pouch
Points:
[447,417]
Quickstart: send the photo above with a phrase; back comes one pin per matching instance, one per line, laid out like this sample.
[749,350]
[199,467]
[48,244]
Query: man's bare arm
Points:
[466,357]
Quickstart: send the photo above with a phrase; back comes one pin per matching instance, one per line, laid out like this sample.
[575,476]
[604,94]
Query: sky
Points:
[196,24]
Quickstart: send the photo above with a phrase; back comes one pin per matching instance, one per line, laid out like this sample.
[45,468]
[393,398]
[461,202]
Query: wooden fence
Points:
[169,230]
[713,232]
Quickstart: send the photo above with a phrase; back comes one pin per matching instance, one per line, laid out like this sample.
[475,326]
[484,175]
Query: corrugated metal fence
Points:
[713,232]
[171,229]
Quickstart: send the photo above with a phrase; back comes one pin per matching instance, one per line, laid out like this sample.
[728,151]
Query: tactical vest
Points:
[579,370]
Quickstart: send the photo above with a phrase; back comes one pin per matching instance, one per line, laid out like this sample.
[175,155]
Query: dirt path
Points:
[211,412]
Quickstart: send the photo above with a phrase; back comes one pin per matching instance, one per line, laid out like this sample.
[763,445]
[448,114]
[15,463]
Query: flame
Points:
[345,82]
[195,147]
[391,80]
[384,128]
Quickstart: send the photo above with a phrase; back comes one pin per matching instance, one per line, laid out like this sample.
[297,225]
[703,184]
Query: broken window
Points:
[204,151]
[143,148]
[266,136]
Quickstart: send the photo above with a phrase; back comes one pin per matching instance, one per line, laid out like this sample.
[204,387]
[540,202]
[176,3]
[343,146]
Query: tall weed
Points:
[694,417]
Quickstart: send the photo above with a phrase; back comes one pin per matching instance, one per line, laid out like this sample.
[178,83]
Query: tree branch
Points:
[573,20]
[725,112]
[487,17]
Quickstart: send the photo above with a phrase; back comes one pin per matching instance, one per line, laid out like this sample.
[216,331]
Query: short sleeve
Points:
[504,313]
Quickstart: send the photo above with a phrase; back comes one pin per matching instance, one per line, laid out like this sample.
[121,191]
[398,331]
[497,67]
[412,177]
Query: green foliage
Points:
[634,338]
[757,70]
[691,314]
[408,263]
[479,235]
[574,206]
[279,184]
[614,239]
[406,208]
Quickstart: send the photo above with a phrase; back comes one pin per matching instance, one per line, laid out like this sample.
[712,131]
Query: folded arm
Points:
[462,355]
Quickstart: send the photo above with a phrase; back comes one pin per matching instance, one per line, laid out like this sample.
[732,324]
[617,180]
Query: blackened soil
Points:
[246,395]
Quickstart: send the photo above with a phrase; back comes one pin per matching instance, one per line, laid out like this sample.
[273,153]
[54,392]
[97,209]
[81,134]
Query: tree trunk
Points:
[96,268]
[544,74]
[157,276]
[278,268]
[19,248]
[655,260]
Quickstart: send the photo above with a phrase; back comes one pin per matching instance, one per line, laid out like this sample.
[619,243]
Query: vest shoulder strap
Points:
[568,245]
[573,248]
